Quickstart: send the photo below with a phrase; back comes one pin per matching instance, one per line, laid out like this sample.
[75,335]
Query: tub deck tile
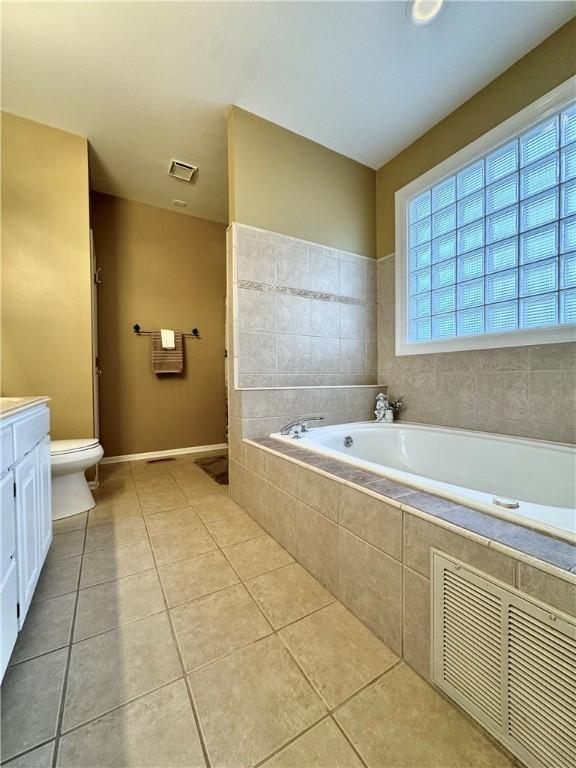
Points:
[547,548]
[389,489]
[562,554]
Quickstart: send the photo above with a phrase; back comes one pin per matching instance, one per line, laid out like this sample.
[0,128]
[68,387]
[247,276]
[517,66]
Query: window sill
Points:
[555,335]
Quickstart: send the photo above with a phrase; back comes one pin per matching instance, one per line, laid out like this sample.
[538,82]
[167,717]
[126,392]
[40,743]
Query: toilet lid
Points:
[71,446]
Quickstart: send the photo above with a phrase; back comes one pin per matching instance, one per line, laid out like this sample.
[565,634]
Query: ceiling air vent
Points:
[183,171]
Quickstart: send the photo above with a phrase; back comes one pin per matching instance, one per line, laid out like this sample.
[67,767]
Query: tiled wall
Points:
[373,554]
[303,314]
[258,413]
[525,391]
[261,403]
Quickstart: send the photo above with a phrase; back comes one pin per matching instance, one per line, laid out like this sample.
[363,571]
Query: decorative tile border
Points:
[254,286]
[349,284]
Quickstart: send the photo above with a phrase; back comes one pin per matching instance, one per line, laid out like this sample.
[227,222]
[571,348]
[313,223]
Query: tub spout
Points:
[295,428]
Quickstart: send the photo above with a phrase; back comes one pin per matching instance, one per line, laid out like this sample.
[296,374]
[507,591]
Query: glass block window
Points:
[492,248]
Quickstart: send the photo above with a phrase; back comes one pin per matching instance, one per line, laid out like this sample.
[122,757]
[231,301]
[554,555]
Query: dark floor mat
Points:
[216,467]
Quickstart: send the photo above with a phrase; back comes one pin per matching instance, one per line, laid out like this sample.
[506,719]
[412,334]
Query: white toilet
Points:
[70,459]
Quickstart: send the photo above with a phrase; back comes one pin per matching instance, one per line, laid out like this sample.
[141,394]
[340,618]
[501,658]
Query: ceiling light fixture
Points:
[425,11]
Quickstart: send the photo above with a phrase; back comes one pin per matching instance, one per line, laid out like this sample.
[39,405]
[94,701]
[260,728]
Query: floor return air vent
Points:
[508,660]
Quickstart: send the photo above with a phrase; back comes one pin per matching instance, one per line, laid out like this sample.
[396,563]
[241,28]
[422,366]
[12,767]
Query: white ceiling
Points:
[148,82]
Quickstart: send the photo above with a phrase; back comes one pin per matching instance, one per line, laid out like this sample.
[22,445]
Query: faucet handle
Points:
[295,428]
[305,422]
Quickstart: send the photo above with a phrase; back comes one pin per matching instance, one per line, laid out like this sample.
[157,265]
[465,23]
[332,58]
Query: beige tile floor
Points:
[168,629]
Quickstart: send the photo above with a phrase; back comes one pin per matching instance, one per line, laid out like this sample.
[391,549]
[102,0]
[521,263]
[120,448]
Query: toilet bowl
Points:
[69,460]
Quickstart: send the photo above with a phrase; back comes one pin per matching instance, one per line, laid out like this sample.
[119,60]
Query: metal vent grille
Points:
[183,171]
[472,651]
[542,689]
[508,660]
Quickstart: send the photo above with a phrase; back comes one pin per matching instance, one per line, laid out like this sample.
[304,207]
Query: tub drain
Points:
[348,442]
[506,503]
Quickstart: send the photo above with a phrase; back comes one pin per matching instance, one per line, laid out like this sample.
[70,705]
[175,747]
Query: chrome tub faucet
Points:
[296,428]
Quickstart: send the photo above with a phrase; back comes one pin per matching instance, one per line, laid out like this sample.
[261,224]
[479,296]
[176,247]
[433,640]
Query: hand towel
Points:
[166,360]
[167,338]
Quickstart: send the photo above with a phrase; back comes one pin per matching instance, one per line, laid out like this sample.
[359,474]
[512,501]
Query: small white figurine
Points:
[382,408]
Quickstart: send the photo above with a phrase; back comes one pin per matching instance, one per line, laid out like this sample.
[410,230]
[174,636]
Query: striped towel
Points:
[166,360]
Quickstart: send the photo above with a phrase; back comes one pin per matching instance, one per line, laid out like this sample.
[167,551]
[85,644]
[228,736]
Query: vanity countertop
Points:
[11,405]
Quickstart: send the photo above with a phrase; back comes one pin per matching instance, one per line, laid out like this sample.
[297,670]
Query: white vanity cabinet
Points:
[9,575]
[25,513]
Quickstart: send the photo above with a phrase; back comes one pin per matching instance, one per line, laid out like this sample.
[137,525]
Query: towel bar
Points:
[194,335]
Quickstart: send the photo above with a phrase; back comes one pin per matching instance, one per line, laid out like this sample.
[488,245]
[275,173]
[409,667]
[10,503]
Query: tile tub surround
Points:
[302,314]
[524,391]
[368,540]
[234,657]
[264,402]
[259,412]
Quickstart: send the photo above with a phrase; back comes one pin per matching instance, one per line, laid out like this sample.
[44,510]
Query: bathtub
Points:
[471,468]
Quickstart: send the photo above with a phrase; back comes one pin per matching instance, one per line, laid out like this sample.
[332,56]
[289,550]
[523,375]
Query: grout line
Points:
[242,541]
[69,656]
[329,710]
[113,520]
[195,715]
[116,578]
[117,627]
[349,740]
[120,706]
[336,707]
[226,655]
[307,615]
[367,685]
[221,589]
[51,597]
[303,672]
[207,594]
[181,559]
[291,741]
[13,759]
[12,664]
[116,545]
[279,568]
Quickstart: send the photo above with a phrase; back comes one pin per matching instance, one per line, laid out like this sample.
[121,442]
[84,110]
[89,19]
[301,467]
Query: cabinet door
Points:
[44,499]
[7,522]
[27,534]
[8,615]
[8,577]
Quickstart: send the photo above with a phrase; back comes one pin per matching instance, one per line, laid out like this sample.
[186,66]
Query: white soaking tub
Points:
[476,469]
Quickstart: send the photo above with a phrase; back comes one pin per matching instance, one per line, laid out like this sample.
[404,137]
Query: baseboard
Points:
[162,454]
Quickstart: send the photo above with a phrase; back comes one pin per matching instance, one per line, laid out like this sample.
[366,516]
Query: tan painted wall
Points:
[46,283]
[159,269]
[543,68]
[285,183]
[525,391]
